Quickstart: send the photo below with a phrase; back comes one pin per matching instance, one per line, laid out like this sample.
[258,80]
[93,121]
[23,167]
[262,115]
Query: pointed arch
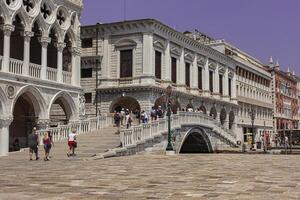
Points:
[36,98]
[24,17]
[58,31]
[65,100]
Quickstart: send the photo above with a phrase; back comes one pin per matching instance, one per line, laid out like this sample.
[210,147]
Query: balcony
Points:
[35,71]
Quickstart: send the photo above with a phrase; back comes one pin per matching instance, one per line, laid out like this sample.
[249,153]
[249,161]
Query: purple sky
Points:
[259,27]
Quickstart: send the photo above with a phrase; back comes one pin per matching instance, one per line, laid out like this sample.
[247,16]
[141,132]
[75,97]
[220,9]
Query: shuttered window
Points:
[125,63]
[174,70]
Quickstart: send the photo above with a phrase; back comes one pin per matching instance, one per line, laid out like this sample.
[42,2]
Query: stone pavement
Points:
[206,176]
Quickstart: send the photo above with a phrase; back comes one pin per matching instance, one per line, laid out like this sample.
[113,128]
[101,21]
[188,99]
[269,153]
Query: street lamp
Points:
[252,115]
[168,93]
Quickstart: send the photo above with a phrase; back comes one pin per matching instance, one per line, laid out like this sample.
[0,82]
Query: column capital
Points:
[27,35]
[45,41]
[5,122]
[43,123]
[60,46]
[8,29]
[75,51]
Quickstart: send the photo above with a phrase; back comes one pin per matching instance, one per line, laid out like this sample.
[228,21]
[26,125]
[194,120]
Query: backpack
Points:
[117,117]
[153,113]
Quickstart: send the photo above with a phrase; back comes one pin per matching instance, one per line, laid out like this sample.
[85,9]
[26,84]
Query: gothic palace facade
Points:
[39,66]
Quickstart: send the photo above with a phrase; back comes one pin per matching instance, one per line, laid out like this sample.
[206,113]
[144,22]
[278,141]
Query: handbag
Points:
[75,144]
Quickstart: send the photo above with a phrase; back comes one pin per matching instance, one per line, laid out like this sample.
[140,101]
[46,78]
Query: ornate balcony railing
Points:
[51,74]
[67,77]
[35,70]
[15,66]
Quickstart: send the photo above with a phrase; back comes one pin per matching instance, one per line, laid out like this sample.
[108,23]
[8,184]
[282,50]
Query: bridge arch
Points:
[195,140]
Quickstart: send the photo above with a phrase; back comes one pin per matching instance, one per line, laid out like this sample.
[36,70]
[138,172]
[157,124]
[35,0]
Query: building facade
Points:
[39,60]
[139,59]
[285,99]
[254,94]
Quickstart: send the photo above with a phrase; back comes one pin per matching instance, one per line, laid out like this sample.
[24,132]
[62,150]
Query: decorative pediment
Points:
[201,60]
[212,64]
[222,69]
[159,43]
[230,74]
[189,57]
[176,51]
[125,43]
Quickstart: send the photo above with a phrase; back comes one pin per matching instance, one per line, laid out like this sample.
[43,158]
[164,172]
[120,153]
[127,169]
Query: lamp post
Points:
[252,115]
[168,93]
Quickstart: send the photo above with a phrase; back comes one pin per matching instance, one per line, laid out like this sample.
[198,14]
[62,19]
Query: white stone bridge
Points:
[191,133]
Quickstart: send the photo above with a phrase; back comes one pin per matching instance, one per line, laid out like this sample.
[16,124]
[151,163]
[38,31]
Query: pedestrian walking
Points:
[72,143]
[117,119]
[33,142]
[51,143]
[46,143]
[153,114]
[128,120]
[122,114]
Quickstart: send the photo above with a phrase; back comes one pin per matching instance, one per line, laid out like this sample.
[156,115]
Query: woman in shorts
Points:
[47,147]
[72,143]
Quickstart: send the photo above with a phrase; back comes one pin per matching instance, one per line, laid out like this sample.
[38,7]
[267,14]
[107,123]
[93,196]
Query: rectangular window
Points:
[211,81]
[157,64]
[87,73]
[174,70]
[88,97]
[229,87]
[125,63]
[200,78]
[221,84]
[187,74]
[87,43]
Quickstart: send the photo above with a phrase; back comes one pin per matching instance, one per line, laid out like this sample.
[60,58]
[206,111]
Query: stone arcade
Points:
[39,62]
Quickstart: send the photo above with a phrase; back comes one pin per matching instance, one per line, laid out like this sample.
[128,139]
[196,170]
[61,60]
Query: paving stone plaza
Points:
[206,176]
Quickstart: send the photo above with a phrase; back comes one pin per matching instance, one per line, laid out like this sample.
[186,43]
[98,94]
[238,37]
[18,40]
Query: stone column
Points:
[194,77]
[216,82]
[167,75]
[26,58]
[148,66]
[4,136]
[7,30]
[60,47]
[206,79]
[75,66]
[225,85]
[106,57]
[44,43]
[181,71]
[233,88]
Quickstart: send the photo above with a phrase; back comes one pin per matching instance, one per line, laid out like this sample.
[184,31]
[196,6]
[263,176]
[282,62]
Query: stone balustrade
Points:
[83,126]
[15,66]
[35,71]
[140,133]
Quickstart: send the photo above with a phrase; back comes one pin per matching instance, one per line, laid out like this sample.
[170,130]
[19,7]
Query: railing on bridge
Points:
[140,133]
[61,132]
